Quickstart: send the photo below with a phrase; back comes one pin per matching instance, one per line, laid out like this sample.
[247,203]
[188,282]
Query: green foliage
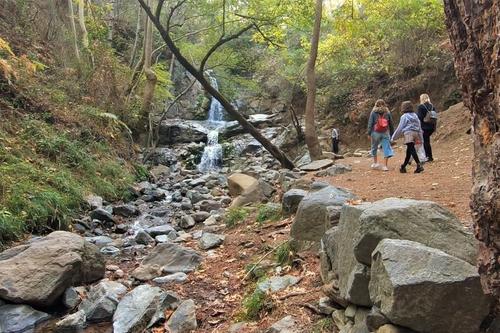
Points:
[46,173]
[258,271]
[255,303]
[268,212]
[285,254]
[235,215]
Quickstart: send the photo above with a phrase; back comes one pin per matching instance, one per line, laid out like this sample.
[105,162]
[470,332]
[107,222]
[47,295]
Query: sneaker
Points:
[375,166]
[430,159]
[419,169]
[384,168]
[402,169]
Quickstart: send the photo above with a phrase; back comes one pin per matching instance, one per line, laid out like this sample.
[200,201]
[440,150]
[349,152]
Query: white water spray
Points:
[211,159]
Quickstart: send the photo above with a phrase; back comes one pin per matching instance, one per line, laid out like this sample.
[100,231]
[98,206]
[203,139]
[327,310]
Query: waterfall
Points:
[212,155]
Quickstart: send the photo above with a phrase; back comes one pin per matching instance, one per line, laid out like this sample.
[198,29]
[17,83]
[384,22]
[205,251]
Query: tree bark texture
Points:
[149,88]
[73,28]
[198,75]
[311,135]
[474,28]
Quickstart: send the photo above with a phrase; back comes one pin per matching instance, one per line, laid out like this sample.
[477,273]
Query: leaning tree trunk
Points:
[473,27]
[149,88]
[198,75]
[311,135]
[73,29]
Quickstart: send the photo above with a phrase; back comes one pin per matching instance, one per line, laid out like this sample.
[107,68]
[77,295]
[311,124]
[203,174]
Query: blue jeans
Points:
[385,140]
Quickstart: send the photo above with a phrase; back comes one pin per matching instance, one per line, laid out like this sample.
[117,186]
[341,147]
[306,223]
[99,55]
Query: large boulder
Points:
[245,189]
[291,200]
[38,273]
[20,318]
[425,289]
[167,258]
[183,320]
[363,226]
[102,300]
[181,131]
[317,212]
[140,309]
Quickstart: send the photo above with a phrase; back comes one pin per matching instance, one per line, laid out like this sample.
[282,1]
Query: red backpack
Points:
[382,124]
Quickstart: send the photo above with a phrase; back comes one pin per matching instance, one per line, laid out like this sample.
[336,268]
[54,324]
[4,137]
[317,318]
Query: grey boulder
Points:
[52,264]
[125,210]
[186,222]
[291,200]
[167,258]
[286,325]
[20,318]
[183,320]
[277,283]
[425,289]
[140,308]
[102,300]
[317,165]
[74,322]
[209,241]
[313,214]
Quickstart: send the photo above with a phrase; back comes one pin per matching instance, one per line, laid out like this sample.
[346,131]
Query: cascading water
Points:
[212,155]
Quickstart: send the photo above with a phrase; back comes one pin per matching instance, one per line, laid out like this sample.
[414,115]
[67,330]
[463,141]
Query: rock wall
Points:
[473,28]
[405,262]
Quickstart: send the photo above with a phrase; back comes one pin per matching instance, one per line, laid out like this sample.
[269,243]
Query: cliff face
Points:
[474,28]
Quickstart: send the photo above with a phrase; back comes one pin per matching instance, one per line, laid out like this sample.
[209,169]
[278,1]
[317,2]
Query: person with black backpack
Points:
[380,129]
[428,119]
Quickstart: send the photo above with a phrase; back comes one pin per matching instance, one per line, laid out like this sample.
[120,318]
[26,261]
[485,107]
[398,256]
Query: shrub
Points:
[255,304]
[268,212]
[285,254]
[235,215]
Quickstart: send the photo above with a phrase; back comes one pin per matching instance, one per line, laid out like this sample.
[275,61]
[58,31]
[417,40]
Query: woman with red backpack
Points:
[380,129]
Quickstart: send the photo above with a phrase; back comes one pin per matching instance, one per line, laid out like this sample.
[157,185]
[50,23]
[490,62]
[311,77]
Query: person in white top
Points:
[335,141]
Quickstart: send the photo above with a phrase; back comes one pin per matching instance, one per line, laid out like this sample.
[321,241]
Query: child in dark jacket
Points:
[409,127]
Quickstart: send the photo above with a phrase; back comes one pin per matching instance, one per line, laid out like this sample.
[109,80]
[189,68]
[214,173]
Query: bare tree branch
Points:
[221,42]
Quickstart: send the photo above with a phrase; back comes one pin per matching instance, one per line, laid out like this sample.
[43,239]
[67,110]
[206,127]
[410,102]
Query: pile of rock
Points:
[399,264]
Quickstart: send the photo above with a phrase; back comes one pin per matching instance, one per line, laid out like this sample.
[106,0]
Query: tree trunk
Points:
[247,126]
[73,28]
[311,135]
[81,21]
[136,38]
[473,28]
[149,88]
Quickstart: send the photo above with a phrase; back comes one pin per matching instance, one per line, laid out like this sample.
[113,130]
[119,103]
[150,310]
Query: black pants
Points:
[427,144]
[335,146]
[410,152]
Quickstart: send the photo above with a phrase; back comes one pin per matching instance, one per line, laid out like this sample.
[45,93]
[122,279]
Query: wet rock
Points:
[183,320]
[52,263]
[313,216]
[121,228]
[181,131]
[178,277]
[20,318]
[285,325]
[291,200]
[317,165]
[445,292]
[187,222]
[102,300]
[209,241]
[169,258]
[138,309]
[163,239]
[277,283]
[125,210]
[186,204]
[74,322]
[159,171]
